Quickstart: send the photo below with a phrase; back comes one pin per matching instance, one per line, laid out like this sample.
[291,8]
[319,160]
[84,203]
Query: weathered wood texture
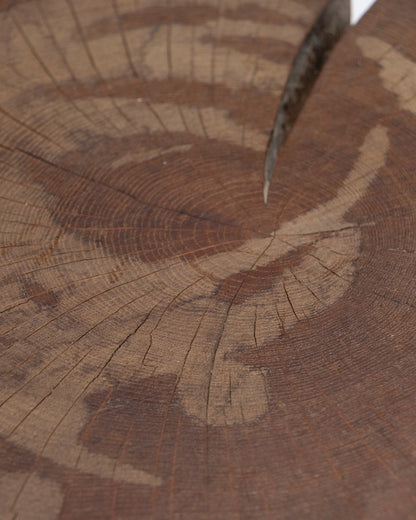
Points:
[170,347]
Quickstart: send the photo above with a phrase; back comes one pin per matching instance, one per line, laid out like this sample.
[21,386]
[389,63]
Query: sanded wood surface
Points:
[171,348]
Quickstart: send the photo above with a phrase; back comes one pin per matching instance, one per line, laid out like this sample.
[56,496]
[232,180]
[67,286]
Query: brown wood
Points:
[170,347]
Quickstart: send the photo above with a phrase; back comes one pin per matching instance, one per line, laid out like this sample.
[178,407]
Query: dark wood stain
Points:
[242,285]
[39,294]
[134,219]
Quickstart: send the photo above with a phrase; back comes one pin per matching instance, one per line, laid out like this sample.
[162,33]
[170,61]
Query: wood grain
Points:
[170,347]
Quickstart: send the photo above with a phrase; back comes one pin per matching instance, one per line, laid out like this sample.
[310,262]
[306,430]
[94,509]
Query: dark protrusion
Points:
[312,55]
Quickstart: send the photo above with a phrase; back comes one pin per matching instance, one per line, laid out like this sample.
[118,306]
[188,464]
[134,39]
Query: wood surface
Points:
[171,348]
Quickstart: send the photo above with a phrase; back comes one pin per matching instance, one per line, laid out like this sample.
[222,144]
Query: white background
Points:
[359,8]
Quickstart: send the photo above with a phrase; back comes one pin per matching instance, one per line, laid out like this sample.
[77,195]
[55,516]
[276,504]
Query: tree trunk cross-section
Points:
[171,348]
